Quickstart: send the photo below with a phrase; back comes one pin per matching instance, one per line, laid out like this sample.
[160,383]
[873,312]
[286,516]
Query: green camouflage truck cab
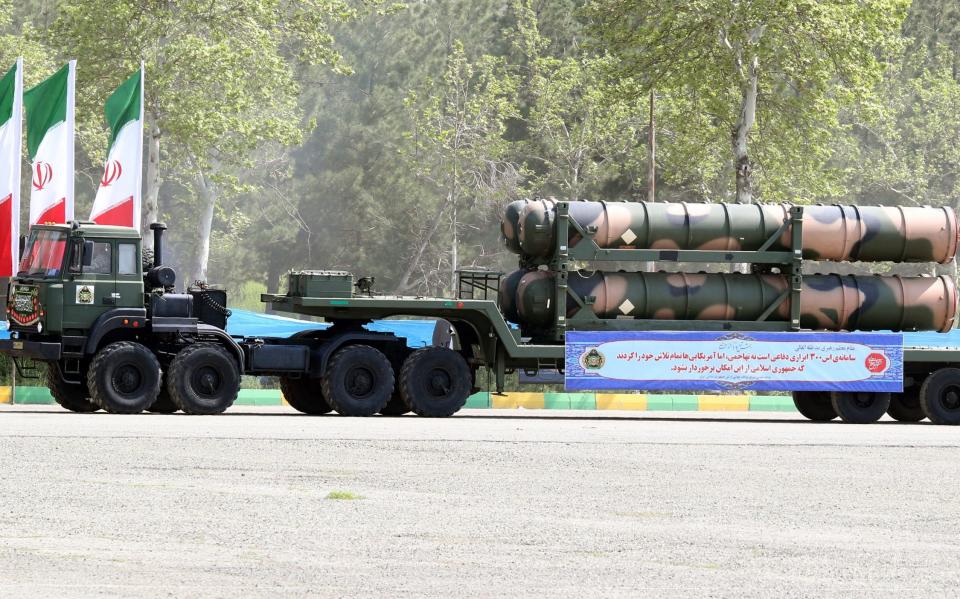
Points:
[107,326]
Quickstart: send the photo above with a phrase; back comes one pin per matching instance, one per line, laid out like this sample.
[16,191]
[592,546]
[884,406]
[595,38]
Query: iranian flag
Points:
[49,108]
[11,134]
[118,199]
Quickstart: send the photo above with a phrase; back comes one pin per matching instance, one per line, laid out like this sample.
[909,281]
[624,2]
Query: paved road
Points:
[488,503]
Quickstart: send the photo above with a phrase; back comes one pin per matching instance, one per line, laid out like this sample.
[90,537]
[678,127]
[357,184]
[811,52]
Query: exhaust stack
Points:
[158,229]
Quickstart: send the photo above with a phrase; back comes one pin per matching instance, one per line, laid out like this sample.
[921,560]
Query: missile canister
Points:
[828,302]
[836,233]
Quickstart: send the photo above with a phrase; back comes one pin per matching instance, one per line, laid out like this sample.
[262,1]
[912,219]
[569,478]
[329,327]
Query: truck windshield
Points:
[43,254]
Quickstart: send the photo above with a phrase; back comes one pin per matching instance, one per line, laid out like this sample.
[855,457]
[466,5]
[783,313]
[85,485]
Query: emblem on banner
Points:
[592,359]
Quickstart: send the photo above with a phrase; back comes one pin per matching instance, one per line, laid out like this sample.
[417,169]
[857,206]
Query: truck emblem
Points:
[593,359]
[111,172]
[42,174]
[85,294]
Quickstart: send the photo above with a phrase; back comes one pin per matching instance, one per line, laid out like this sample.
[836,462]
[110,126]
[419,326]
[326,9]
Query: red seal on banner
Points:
[876,363]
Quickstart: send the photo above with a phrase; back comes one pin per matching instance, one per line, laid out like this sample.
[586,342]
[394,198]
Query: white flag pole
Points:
[17,166]
[71,132]
[137,200]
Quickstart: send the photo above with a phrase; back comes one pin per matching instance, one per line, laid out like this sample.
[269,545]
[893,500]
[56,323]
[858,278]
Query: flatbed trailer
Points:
[487,340]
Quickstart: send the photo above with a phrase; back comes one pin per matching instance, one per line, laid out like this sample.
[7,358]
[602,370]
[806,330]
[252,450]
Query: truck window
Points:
[44,252]
[127,254]
[101,260]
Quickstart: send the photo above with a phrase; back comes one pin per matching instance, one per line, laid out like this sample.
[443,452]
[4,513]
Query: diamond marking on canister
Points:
[628,237]
[627,307]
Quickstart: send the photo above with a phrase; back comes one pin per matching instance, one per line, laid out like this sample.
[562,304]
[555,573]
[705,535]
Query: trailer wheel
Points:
[70,397]
[304,395]
[435,381]
[359,381]
[905,407]
[203,379]
[860,407]
[814,405]
[396,406]
[940,396]
[124,378]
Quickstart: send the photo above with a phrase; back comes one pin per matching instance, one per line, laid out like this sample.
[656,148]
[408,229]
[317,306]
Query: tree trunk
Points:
[741,134]
[650,265]
[151,207]
[454,249]
[652,154]
[207,192]
[404,284]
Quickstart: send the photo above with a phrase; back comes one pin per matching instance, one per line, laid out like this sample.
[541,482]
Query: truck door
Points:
[90,288]
[129,279]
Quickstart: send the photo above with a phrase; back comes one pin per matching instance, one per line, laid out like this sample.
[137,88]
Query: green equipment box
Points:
[320,283]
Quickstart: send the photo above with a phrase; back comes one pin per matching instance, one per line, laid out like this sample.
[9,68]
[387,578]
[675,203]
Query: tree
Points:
[458,147]
[770,76]
[220,81]
[583,133]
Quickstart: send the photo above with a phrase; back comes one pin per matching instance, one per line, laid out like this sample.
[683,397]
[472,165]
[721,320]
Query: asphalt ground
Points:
[488,503]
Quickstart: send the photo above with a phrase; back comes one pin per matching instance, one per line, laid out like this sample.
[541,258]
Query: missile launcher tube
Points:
[834,233]
[828,302]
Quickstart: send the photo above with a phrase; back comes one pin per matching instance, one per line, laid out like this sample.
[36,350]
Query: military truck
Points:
[120,338]
[103,320]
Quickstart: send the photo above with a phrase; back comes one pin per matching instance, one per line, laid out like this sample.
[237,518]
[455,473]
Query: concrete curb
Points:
[525,400]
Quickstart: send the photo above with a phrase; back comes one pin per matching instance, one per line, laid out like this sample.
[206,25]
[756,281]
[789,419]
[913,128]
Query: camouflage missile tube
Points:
[830,302]
[835,233]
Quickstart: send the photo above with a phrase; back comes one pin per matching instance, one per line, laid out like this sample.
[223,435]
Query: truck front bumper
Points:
[35,350]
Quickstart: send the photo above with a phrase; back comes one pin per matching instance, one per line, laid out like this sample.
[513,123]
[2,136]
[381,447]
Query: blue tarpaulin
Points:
[418,333]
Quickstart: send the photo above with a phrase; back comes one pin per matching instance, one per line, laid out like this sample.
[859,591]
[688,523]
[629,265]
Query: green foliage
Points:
[458,149]
[344,496]
[813,58]
[584,131]
[247,296]
[17,38]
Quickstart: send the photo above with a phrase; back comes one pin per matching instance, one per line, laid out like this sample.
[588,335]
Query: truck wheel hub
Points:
[206,381]
[126,379]
[440,382]
[950,398]
[359,382]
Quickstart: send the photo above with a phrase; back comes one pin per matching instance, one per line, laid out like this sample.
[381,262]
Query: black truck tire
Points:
[905,407]
[358,381]
[163,403]
[124,378]
[203,379]
[940,396]
[435,382]
[396,406]
[70,397]
[814,405]
[860,407]
[304,395]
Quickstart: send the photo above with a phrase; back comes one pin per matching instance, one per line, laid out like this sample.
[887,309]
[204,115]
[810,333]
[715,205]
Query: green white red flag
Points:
[118,199]
[11,136]
[50,138]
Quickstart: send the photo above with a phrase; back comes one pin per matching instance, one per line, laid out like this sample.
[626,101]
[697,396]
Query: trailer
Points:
[109,331]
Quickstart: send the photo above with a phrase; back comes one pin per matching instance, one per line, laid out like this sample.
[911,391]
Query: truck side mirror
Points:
[87,253]
[76,255]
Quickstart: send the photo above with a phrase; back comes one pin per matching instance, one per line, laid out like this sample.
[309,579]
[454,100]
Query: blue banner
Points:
[733,361]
